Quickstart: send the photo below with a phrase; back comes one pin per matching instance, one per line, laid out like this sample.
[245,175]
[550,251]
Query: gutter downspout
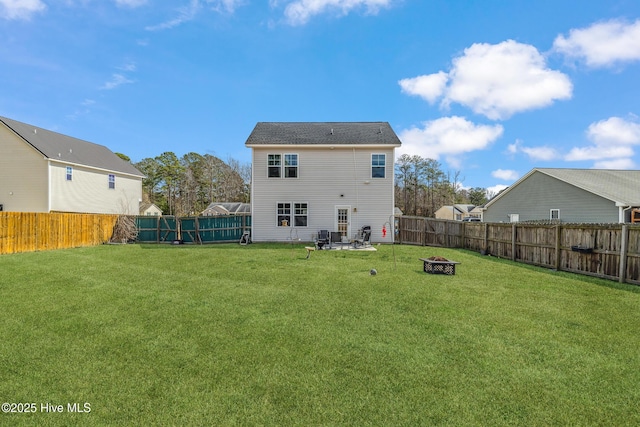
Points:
[621,210]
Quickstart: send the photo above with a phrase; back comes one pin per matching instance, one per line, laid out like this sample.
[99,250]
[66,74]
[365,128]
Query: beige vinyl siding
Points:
[89,191]
[534,198]
[23,175]
[326,178]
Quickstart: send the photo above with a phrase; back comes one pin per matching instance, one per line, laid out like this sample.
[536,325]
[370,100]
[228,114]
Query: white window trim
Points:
[284,166]
[384,168]
[292,214]
[269,166]
[295,215]
[278,215]
[551,211]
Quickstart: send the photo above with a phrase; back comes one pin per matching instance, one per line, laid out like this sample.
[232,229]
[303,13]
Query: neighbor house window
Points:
[377,165]
[112,181]
[284,215]
[300,211]
[290,165]
[514,217]
[274,164]
[554,214]
[69,173]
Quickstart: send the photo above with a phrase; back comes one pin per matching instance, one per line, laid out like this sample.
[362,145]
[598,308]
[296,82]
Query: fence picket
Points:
[610,251]
[30,231]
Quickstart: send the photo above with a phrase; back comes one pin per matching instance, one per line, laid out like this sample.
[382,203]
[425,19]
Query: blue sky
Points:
[491,89]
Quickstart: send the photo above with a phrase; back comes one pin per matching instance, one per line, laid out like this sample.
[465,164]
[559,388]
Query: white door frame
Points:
[337,222]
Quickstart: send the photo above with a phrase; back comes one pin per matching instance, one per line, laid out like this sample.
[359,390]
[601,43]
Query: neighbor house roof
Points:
[323,133]
[227,209]
[66,149]
[619,186]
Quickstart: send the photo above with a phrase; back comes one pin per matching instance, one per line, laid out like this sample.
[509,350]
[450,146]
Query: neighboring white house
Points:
[150,209]
[44,171]
[333,176]
[456,212]
[568,195]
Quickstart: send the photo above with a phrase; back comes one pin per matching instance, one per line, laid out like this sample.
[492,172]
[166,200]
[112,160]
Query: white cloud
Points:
[505,174]
[300,11]
[614,130]
[597,152]
[613,140]
[185,14]
[497,81]
[190,12]
[602,44]
[116,80]
[131,3]
[544,152]
[130,66]
[494,190]
[20,9]
[429,87]
[225,5]
[449,137]
[615,164]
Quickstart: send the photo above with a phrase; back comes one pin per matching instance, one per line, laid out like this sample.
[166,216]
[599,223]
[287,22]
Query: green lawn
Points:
[259,335]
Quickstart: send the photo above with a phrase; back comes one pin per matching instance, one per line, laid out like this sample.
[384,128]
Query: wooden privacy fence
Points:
[28,231]
[610,251]
[203,229]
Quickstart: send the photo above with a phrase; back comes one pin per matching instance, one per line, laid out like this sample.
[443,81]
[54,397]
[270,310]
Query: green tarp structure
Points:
[203,229]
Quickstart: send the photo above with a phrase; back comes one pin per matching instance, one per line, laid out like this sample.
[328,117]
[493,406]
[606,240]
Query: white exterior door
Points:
[343,220]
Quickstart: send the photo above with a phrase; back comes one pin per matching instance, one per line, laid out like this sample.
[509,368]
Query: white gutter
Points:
[621,209]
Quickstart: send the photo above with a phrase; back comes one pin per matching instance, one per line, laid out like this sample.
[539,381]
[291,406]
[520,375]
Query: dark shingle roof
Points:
[323,133]
[67,149]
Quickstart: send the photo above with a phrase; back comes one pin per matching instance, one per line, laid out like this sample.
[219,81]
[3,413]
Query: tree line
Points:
[185,186]
[422,187]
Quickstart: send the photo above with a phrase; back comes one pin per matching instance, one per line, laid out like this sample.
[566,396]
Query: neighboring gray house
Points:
[331,176]
[568,195]
[44,171]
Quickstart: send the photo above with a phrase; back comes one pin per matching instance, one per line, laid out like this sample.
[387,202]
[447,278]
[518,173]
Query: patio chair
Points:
[323,239]
[363,238]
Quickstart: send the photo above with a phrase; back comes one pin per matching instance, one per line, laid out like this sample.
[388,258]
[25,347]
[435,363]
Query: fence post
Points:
[424,232]
[513,241]
[486,238]
[558,240]
[623,253]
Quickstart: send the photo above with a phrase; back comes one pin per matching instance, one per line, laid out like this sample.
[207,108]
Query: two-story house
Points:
[45,171]
[311,176]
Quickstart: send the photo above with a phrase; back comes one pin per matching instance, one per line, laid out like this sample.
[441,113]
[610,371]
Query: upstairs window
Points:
[554,214]
[378,165]
[112,181]
[274,165]
[282,165]
[69,173]
[290,165]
